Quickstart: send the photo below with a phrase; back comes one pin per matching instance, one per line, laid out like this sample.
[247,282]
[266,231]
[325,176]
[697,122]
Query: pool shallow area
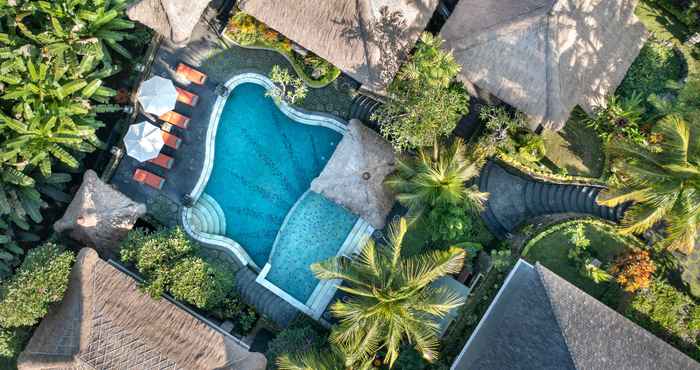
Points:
[264,162]
[315,230]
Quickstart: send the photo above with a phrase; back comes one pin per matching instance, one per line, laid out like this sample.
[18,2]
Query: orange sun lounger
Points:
[171,140]
[186,97]
[191,74]
[176,119]
[149,179]
[163,160]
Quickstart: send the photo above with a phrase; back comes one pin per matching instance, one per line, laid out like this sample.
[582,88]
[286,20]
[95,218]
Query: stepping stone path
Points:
[516,198]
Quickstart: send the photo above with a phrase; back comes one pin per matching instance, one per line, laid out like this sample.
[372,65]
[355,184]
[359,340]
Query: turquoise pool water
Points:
[264,162]
[315,230]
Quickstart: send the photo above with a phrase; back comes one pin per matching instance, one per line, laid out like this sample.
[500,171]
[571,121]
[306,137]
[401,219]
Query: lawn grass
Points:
[576,149]
[552,252]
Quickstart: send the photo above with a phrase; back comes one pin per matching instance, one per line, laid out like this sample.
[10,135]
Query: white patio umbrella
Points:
[157,95]
[143,141]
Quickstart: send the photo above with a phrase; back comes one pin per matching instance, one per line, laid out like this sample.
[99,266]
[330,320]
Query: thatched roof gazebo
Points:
[105,322]
[174,19]
[544,57]
[367,39]
[99,216]
[354,176]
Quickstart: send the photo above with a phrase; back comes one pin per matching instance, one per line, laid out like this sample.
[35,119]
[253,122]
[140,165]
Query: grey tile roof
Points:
[541,321]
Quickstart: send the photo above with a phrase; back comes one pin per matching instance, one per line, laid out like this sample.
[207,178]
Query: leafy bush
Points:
[450,223]
[669,314]
[41,279]
[619,118]
[502,260]
[423,102]
[633,271]
[508,133]
[582,257]
[167,261]
[12,341]
[656,66]
[199,283]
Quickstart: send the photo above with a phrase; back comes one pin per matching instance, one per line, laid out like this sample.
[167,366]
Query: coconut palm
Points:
[312,360]
[422,183]
[391,299]
[663,182]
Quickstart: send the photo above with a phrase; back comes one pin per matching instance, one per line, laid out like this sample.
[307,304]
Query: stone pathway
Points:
[516,199]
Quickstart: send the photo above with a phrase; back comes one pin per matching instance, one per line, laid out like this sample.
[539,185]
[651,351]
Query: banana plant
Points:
[77,29]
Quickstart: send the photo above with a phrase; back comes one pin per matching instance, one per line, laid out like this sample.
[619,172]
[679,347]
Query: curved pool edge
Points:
[218,242]
[308,118]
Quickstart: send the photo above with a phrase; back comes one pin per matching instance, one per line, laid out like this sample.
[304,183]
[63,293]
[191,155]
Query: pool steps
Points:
[325,289]
[206,216]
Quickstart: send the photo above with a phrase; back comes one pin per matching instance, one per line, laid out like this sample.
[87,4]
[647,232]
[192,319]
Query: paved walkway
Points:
[516,198]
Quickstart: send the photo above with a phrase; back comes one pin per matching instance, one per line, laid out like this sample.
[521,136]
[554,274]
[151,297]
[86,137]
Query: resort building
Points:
[106,322]
[540,321]
[366,39]
[545,57]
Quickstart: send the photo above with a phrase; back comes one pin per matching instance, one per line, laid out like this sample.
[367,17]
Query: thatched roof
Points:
[354,176]
[544,57]
[99,216]
[540,321]
[367,39]
[105,322]
[174,19]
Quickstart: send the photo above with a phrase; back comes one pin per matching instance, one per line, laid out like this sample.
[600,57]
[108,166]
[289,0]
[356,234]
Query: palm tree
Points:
[312,360]
[422,183]
[391,299]
[663,182]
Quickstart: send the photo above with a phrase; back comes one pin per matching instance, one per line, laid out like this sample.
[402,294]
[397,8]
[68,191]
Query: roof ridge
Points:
[547,293]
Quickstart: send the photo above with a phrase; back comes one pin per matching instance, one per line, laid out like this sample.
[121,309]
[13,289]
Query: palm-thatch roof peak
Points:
[367,39]
[544,57]
[174,19]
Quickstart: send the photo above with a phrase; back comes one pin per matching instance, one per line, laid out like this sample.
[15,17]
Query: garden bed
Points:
[245,31]
[552,246]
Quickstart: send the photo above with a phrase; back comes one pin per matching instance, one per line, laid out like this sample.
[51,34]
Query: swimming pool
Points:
[264,162]
[253,198]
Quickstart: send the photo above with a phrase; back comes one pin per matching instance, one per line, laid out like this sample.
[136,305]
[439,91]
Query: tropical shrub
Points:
[502,259]
[40,280]
[669,314]
[12,341]
[391,299]
[232,308]
[424,104]
[317,359]
[633,271]
[619,118]
[287,88]
[661,181]
[508,133]
[581,256]
[167,261]
[53,57]
[448,222]
[199,283]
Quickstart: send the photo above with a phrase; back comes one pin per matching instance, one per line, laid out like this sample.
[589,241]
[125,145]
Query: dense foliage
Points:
[509,133]
[669,314]
[424,103]
[662,180]
[41,279]
[618,118]
[11,342]
[168,262]
[582,257]
[391,299]
[53,57]
[439,189]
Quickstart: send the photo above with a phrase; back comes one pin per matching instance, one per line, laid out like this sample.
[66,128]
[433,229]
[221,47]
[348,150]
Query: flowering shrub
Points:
[633,271]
